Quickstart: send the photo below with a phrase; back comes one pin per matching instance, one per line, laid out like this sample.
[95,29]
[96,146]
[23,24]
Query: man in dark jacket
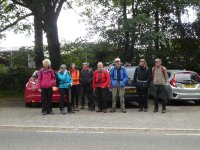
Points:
[86,78]
[142,78]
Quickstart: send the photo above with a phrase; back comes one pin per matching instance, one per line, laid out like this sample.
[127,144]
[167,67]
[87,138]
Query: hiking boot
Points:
[105,110]
[63,112]
[70,112]
[82,107]
[44,112]
[99,110]
[140,110]
[145,110]
[113,110]
[164,111]
[124,111]
[155,110]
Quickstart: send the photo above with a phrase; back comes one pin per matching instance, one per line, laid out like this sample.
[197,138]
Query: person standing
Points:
[46,79]
[65,82]
[86,86]
[142,79]
[75,87]
[119,78]
[160,77]
[101,80]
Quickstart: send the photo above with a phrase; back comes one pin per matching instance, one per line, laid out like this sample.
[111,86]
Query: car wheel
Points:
[28,104]
[197,102]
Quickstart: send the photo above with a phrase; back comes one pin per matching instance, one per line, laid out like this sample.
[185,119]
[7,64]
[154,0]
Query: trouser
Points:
[118,91]
[46,95]
[87,91]
[143,97]
[101,98]
[160,93]
[75,95]
[65,92]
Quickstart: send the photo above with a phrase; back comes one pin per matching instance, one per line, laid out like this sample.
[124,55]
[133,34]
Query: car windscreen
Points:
[187,77]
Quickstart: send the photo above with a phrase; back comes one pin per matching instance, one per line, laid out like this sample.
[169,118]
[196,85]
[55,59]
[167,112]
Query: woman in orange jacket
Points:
[75,86]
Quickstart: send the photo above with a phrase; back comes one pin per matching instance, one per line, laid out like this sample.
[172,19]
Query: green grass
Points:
[11,93]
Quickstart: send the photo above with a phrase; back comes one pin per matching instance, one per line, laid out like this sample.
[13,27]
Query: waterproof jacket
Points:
[75,76]
[101,79]
[123,76]
[142,75]
[64,79]
[46,78]
[86,76]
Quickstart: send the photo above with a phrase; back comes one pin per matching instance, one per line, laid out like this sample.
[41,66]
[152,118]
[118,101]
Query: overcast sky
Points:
[69,28]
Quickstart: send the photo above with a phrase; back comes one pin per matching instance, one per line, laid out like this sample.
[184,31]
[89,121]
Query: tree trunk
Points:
[157,29]
[38,50]
[52,36]
[126,32]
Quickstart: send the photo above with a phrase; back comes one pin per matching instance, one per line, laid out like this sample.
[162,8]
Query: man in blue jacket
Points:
[65,82]
[119,78]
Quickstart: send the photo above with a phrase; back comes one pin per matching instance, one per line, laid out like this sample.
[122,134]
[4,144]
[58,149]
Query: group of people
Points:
[94,86]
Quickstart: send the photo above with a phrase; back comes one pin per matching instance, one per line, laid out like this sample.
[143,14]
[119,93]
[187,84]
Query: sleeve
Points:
[39,79]
[166,75]
[70,78]
[93,82]
[81,78]
[148,76]
[125,80]
[91,71]
[53,77]
[111,74]
[107,79]
[135,75]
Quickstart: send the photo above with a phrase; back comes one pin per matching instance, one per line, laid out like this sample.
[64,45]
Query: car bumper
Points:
[185,96]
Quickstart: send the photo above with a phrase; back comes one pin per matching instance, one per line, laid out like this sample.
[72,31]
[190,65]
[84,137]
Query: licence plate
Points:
[190,85]
[130,91]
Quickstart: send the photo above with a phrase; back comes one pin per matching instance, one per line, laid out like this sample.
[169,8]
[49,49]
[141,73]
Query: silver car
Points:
[182,85]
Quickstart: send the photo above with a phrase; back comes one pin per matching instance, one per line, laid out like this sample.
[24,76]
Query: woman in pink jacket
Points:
[46,80]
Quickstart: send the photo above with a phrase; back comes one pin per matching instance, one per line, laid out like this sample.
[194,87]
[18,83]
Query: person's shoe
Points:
[51,113]
[76,108]
[140,110]
[99,110]
[105,110]
[44,113]
[155,110]
[70,112]
[145,110]
[164,111]
[124,111]
[113,110]
[82,107]
[63,112]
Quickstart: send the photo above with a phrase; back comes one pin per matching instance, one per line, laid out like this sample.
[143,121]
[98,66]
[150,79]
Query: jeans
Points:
[143,98]
[46,95]
[65,92]
[160,93]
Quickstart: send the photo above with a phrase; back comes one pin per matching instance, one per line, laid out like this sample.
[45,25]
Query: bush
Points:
[15,78]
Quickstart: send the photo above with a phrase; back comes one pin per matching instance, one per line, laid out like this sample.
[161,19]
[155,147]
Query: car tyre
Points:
[197,102]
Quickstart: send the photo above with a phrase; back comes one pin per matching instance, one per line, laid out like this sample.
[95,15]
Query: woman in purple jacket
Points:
[46,80]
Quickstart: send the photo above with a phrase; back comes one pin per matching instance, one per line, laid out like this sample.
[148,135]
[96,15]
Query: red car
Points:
[33,96]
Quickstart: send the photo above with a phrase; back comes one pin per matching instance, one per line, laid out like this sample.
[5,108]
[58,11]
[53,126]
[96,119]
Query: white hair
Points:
[100,63]
[46,61]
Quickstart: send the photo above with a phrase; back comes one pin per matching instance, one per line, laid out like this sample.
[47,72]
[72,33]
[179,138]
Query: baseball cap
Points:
[63,66]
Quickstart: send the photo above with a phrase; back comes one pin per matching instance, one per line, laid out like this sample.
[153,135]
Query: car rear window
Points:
[131,72]
[188,76]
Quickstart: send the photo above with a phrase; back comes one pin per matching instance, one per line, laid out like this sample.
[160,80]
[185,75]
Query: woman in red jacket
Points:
[46,80]
[101,80]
